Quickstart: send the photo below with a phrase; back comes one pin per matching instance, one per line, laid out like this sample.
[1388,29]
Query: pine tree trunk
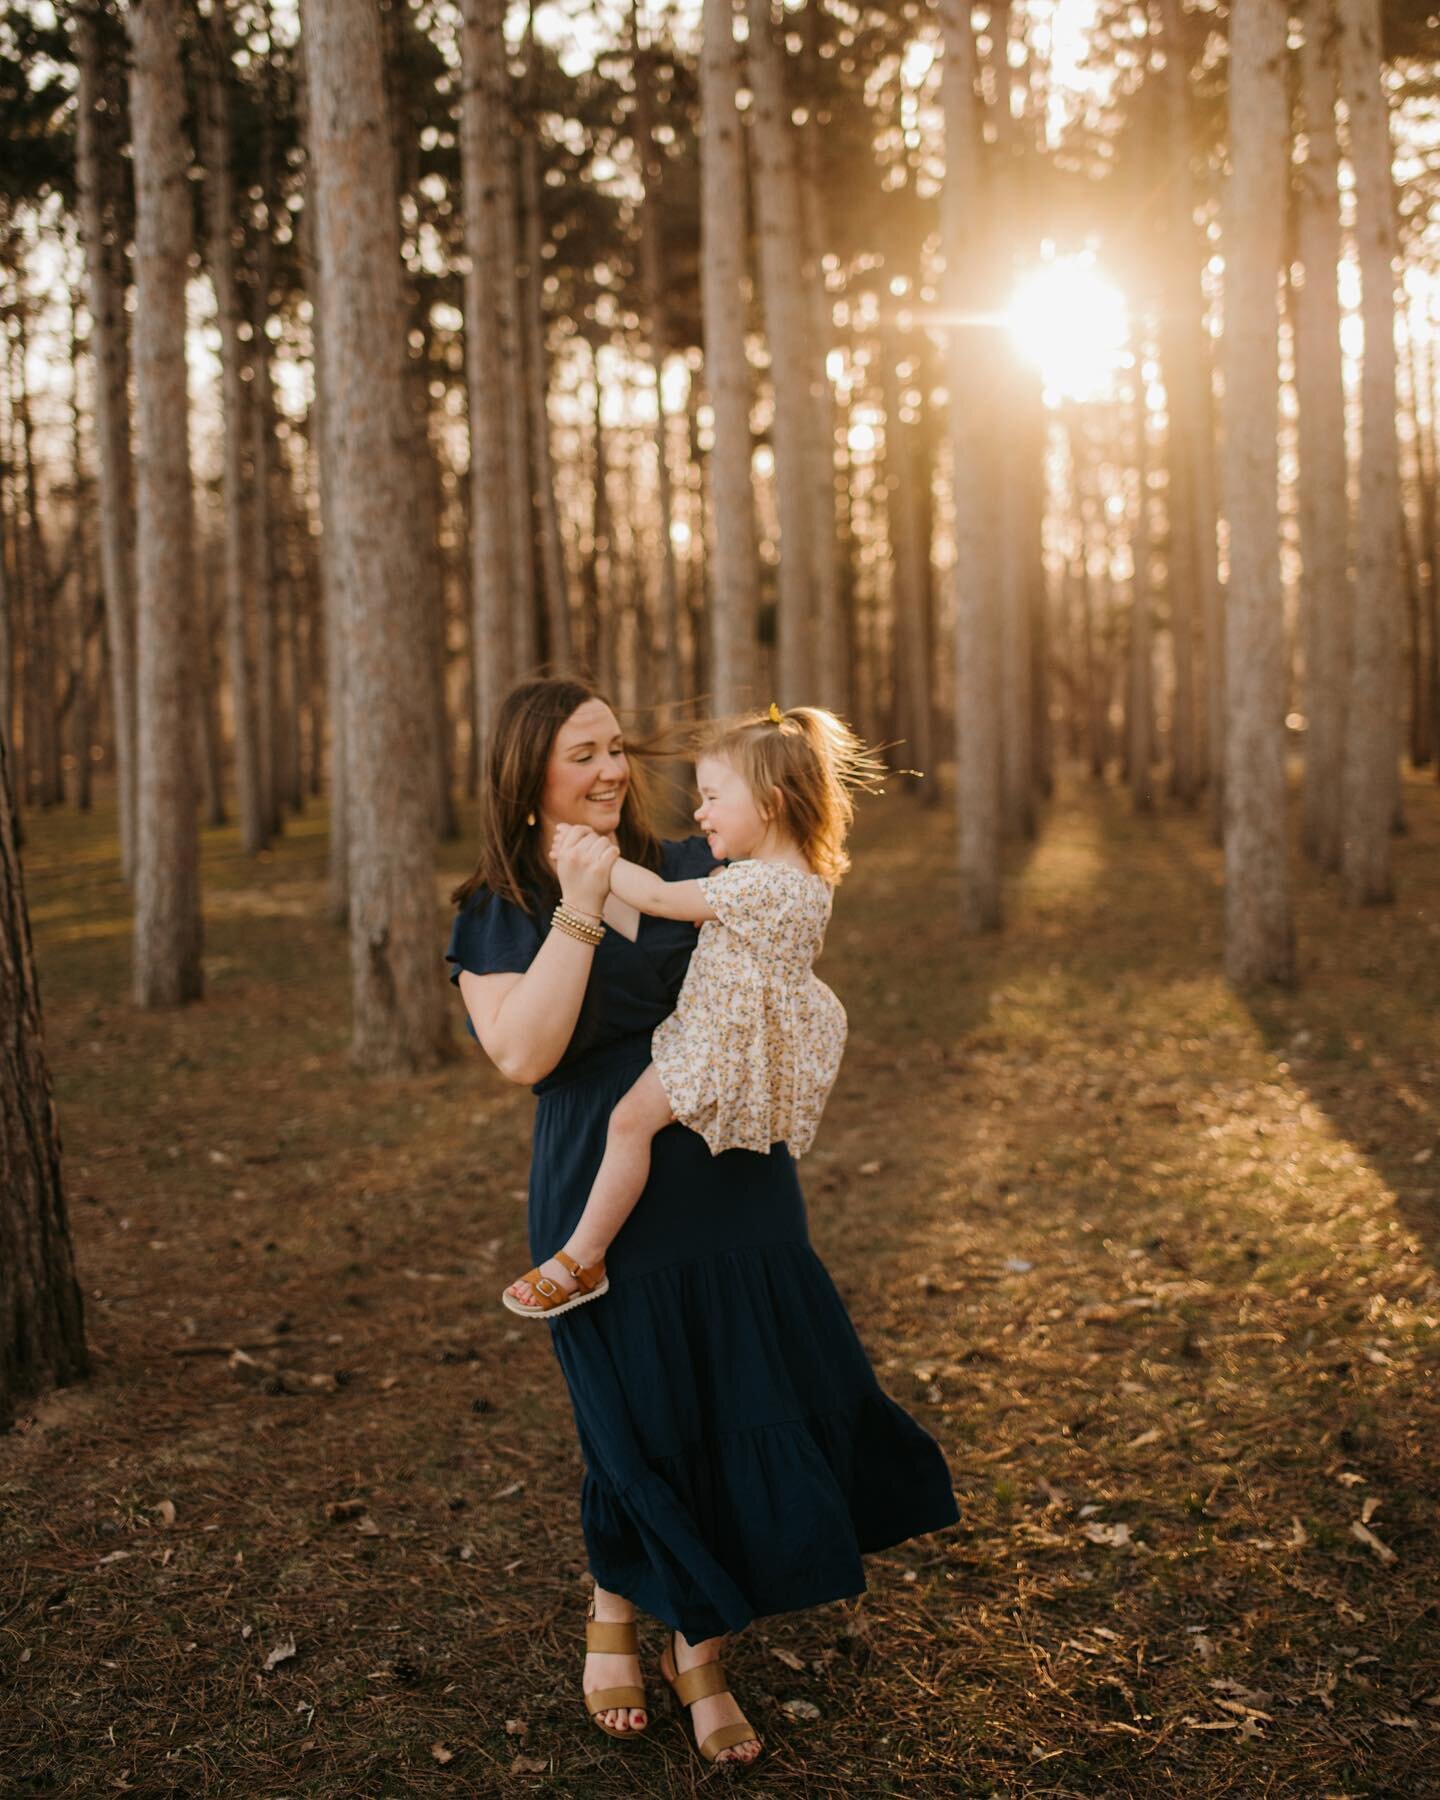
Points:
[1325,600]
[1259,936]
[237,403]
[400,1020]
[652,280]
[104,279]
[1372,713]
[910,587]
[1184,362]
[966,233]
[167,900]
[1140,694]
[42,1322]
[486,276]
[723,236]
[334,602]
[558,654]
[780,237]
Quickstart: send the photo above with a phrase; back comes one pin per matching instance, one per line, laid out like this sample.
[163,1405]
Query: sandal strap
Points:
[587,1277]
[616,1636]
[698,1683]
[724,1736]
[599,1700]
[549,1291]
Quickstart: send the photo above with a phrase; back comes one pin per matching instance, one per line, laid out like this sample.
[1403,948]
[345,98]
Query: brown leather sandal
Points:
[698,1683]
[613,1637]
[553,1298]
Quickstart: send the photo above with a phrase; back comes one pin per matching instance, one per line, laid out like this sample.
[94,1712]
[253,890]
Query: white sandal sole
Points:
[553,1312]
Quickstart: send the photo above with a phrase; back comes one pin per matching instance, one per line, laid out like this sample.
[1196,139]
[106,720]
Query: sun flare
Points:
[1073,325]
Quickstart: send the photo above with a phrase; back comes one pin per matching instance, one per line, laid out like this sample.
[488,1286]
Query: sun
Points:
[1073,325]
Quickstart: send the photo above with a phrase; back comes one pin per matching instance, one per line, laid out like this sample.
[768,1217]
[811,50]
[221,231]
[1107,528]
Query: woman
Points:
[739,1454]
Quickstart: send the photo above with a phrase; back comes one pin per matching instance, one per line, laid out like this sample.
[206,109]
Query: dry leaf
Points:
[281,1653]
[441,1754]
[366,1526]
[871,1168]
[337,1510]
[529,1765]
[1114,1537]
[1369,1510]
[1299,1536]
[506,1492]
[800,1709]
[788,1657]
[1368,1538]
[516,1728]
[1146,1437]
[166,1510]
[114,1556]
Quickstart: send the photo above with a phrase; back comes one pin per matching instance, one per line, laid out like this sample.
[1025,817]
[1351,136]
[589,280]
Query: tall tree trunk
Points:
[1325,600]
[905,472]
[42,736]
[537,376]
[832,648]
[1259,935]
[1140,690]
[780,238]
[264,524]
[42,1319]
[1372,715]
[334,600]
[966,232]
[1184,360]
[104,278]
[652,279]
[482,134]
[399,1016]
[723,236]
[238,401]
[167,901]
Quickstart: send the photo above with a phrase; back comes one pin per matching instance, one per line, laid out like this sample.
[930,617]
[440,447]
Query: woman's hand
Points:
[583,861]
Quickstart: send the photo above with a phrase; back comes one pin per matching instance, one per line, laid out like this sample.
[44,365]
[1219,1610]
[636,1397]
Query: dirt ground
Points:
[1157,1266]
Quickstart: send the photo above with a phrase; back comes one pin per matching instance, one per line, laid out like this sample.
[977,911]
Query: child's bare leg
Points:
[619,1182]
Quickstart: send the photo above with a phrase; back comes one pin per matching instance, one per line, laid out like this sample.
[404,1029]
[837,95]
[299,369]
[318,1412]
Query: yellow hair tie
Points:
[774,713]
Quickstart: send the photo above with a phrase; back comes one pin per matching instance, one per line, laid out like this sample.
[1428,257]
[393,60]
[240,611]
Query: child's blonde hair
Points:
[815,761]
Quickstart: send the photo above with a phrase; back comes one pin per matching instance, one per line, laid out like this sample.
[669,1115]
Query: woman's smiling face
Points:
[588,773]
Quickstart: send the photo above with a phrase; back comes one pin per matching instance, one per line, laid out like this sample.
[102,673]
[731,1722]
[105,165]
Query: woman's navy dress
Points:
[739,1452]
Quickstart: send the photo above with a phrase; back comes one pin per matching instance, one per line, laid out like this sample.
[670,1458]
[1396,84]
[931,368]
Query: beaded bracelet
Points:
[577,925]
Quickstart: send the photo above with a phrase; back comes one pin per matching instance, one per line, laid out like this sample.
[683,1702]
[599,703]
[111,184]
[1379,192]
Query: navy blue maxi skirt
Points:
[740,1455]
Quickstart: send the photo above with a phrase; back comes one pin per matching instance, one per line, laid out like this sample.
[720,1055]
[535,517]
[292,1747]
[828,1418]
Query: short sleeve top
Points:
[632,986]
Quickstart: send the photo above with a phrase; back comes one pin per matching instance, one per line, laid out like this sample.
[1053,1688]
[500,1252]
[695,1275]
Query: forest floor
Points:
[1156,1265]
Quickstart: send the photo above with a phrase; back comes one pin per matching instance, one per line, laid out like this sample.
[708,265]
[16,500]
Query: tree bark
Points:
[167,901]
[1259,935]
[1325,600]
[215,143]
[42,1322]
[652,281]
[966,234]
[780,238]
[1140,708]
[1372,715]
[400,1020]
[486,276]
[104,279]
[734,609]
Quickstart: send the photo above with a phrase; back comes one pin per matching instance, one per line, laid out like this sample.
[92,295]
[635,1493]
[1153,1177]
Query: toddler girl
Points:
[753,1047]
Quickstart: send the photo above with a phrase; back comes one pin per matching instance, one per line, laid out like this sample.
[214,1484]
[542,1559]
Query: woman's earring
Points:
[530,818]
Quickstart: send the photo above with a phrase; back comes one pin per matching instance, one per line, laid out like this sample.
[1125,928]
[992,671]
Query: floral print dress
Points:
[753,1047]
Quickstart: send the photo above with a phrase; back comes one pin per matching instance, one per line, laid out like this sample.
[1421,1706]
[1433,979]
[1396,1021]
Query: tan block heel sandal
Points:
[698,1683]
[613,1637]
[553,1299]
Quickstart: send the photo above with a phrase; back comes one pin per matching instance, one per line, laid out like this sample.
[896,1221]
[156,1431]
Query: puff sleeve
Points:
[750,898]
[491,936]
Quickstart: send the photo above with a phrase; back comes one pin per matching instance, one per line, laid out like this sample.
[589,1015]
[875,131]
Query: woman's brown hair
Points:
[816,763]
[513,862]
